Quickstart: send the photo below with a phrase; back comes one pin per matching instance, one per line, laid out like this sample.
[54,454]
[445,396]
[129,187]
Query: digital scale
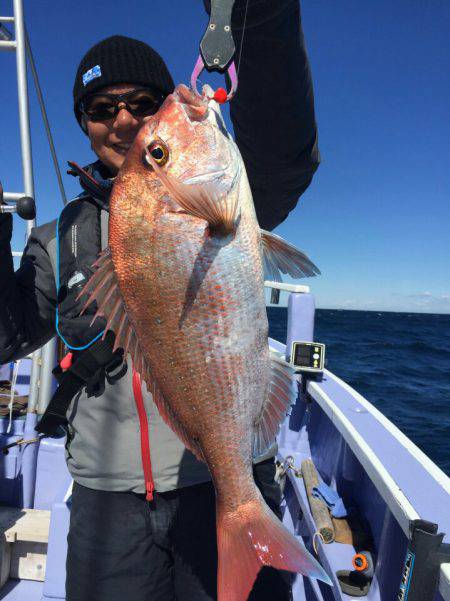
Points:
[308,356]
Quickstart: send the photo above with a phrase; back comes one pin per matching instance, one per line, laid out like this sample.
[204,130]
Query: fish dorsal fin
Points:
[103,288]
[281,256]
[282,394]
[206,201]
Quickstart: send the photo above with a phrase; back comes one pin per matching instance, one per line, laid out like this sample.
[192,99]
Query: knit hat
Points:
[119,59]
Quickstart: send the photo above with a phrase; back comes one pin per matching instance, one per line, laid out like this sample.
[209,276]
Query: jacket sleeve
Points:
[273,110]
[27,296]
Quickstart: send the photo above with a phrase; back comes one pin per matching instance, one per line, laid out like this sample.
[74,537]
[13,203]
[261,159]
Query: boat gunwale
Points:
[392,493]
[386,485]
[428,464]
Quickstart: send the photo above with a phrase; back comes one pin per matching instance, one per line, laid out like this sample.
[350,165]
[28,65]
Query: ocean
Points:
[400,362]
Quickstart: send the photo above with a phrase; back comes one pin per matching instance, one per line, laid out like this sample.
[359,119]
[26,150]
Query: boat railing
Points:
[277,287]
[13,38]
[16,43]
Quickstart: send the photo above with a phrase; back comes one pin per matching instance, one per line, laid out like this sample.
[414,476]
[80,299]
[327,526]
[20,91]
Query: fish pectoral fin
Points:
[205,201]
[103,288]
[281,256]
[282,394]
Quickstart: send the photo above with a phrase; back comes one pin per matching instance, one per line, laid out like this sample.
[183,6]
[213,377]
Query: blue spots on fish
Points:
[210,249]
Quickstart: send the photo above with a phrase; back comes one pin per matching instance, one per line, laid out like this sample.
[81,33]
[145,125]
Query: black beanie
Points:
[119,59]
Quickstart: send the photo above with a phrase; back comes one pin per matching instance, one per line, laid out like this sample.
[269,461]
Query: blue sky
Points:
[376,217]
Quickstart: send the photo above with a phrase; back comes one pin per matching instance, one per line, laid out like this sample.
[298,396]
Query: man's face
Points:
[111,139]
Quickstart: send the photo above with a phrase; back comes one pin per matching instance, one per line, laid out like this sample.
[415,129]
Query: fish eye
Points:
[159,152]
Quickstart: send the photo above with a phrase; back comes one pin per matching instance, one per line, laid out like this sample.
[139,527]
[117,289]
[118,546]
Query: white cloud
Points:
[418,302]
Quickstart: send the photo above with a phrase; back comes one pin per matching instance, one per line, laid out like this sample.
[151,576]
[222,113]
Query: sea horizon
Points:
[365,310]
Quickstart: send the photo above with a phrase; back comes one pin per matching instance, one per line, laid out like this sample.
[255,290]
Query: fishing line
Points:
[17,443]
[11,398]
[242,39]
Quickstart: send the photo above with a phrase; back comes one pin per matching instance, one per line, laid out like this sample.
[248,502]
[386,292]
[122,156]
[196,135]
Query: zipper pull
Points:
[149,488]
[66,362]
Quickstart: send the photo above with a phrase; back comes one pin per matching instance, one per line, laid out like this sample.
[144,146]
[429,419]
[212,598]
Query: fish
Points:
[181,285]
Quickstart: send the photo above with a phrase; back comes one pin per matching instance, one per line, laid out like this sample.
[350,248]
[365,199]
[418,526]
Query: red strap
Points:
[145,445]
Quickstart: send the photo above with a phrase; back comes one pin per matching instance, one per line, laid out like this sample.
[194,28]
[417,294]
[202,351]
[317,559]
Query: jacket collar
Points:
[95,180]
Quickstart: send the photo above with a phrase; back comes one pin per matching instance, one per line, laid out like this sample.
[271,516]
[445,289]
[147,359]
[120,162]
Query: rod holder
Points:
[424,555]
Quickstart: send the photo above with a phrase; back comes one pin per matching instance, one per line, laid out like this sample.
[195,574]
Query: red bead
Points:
[220,95]
[66,362]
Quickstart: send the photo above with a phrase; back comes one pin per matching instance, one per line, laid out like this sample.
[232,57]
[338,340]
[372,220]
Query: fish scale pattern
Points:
[201,306]
[185,298]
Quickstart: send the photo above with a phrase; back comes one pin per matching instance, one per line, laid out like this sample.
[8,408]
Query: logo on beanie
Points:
[92,74]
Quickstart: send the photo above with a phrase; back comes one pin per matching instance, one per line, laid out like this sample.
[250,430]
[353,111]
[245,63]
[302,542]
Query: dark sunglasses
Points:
[140,103]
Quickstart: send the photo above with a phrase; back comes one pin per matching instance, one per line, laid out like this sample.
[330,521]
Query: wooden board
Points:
[24,524]
[5,561]
[23,543]
[352,531]
[28,561]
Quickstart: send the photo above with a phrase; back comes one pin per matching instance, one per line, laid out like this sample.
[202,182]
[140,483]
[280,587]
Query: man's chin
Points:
[113,163]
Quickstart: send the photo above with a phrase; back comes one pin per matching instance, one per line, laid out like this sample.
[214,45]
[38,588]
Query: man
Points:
[153,537]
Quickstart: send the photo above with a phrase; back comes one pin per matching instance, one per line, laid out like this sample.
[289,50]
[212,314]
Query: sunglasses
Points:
[140,103]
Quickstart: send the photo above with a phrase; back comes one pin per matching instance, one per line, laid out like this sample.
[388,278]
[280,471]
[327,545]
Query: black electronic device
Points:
[308,356]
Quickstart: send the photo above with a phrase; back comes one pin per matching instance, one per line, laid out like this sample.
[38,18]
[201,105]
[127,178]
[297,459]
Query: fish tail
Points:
[251,537]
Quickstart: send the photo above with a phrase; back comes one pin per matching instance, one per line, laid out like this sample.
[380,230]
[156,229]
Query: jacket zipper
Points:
[145,444]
